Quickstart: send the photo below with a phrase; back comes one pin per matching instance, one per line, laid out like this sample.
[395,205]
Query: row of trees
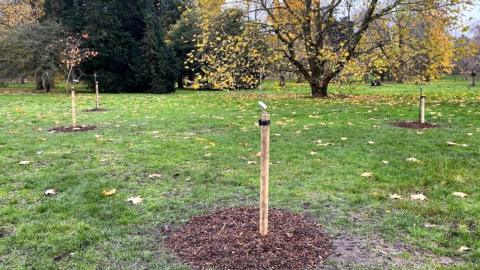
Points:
[149,45]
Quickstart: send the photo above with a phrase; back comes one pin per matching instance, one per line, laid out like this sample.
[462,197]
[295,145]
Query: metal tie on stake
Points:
[264,124]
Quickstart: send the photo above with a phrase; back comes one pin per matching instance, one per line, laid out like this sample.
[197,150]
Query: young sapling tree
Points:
[71,58]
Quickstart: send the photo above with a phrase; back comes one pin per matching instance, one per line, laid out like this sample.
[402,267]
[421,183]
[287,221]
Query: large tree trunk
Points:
[47,81]
[319,89]
[51,79]
[180,82]
[38,83]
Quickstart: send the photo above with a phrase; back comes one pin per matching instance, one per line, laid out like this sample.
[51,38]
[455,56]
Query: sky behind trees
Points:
[473,13]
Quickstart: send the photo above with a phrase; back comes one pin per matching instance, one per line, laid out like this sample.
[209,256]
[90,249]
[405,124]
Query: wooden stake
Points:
[264,174]
[74,112]
[422,110]
[97,102]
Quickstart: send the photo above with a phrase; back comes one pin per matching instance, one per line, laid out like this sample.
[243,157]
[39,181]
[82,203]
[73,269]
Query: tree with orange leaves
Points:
[321,37]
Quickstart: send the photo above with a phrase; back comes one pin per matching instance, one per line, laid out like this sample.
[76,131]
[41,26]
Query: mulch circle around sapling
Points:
[72,129]
[96,110]
[414,124]
[229,239]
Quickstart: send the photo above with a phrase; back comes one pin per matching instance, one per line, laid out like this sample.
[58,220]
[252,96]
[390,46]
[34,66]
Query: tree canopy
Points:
[129,39]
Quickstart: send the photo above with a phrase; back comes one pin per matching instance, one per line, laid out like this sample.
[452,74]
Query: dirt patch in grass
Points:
[414,124]
[372,252]
[72,129]
[229,239]
[96,110]
[3,232]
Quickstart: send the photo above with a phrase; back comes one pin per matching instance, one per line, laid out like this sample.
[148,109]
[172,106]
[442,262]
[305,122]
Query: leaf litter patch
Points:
[414,124]
[71,129]
[229,239]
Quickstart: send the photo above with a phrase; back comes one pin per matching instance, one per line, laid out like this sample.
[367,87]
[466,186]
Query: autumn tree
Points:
[467,53]
[321,37]
[73,54]
[19,12]
[414,44]
[230,52]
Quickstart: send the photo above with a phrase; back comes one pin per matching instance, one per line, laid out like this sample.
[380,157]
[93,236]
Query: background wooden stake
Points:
[74,112]
[264,174]
[97,101]
[422,110]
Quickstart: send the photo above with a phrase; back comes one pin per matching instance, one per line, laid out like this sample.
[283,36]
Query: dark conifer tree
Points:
[129,37]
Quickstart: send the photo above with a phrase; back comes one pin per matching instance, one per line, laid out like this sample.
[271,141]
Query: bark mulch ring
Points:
[72,129]
[229,239]
[96,110]
[414,124]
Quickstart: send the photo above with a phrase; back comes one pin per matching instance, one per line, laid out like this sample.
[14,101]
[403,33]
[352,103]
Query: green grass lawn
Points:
[203,144]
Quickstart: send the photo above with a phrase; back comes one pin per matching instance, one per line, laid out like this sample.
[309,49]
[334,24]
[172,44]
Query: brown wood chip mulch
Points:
[229,239]
[72,129]
[414,124]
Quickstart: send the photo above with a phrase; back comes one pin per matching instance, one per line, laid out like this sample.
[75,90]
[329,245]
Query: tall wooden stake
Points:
[264,174]
[422,110]
[97,102]
[74,112]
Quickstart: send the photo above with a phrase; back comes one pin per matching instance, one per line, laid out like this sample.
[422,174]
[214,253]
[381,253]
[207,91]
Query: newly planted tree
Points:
[71,58]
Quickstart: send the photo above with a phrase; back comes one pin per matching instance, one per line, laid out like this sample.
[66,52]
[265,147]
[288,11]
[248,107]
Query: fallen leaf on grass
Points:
[367,174]
[24,162]
[460,194]
[418,197]
[385,162]
[109,192]
[313,153]
[325,144]
[135,200]
[251,162]
[456,144]
[394,196]
[344,138]
[413,160]
[50,192]
[371,142]
[463,249]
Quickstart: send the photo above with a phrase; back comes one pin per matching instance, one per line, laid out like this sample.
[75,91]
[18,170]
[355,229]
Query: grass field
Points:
[203,146]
